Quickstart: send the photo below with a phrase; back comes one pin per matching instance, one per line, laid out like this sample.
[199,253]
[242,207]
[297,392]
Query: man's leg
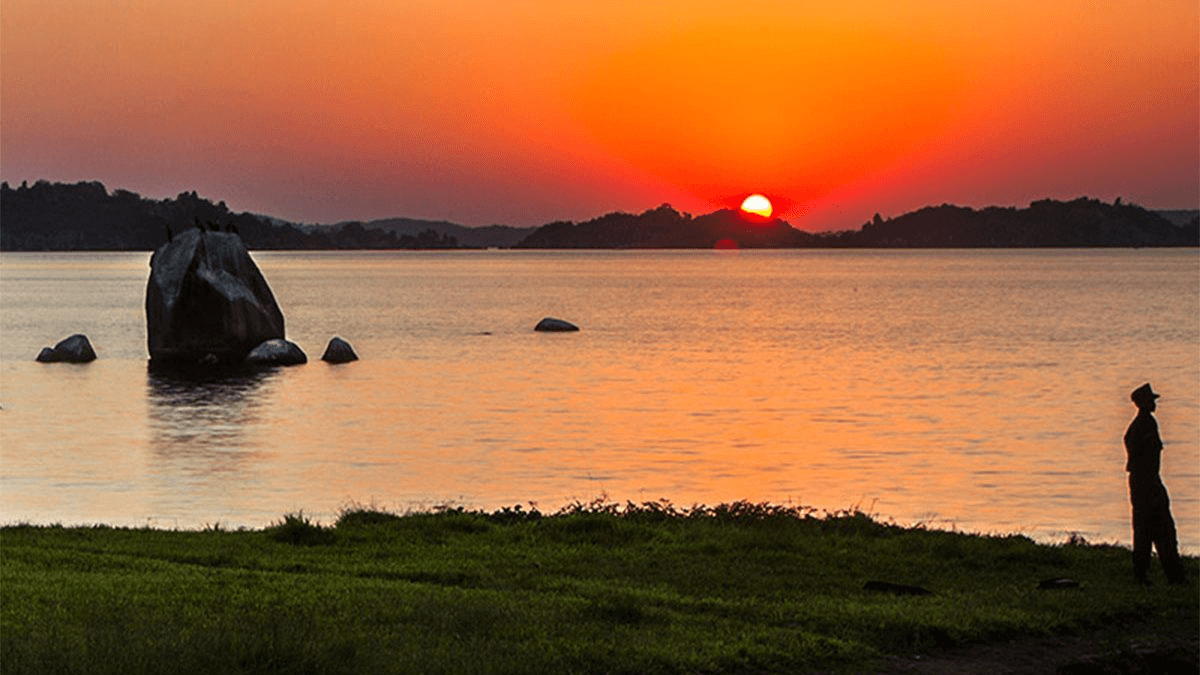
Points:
[1143,535]
[1167,545]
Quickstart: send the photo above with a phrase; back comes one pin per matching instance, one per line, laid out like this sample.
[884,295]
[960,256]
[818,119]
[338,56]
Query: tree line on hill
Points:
[1082,222]
[664,227]
[86,216]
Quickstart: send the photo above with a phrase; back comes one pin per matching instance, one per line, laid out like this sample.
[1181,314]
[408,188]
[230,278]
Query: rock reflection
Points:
[200,422]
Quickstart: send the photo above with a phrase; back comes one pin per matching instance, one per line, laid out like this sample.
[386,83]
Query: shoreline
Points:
[328,519]
[943,525]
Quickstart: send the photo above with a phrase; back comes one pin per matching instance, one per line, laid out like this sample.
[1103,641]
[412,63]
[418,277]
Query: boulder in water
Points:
[277,352]
[207,297]
[75,349]
[339,351]
[552,325]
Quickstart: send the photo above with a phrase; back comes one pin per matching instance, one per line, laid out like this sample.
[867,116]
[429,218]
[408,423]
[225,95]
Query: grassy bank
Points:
[595,588]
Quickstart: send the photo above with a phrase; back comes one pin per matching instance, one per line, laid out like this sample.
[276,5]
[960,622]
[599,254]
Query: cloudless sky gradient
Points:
[522,112]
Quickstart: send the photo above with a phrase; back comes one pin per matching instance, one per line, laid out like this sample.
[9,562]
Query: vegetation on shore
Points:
[593,588]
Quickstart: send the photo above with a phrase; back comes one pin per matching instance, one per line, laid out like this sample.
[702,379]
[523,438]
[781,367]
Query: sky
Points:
[524,112]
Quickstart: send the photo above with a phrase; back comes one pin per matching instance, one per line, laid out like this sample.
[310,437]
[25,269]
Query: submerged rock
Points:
[75,349]
[207,297]
[552,325]
[339,351]
[277,352]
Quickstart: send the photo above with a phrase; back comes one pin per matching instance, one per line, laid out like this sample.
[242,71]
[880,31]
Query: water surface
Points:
[983,390]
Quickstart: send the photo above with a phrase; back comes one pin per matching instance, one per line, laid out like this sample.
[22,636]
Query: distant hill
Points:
[1047,223]
[1181,217]
[86,216]
[500,236]
[664,227]
[1080,223]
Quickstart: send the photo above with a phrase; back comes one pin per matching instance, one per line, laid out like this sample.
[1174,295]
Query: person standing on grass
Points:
[1152,522]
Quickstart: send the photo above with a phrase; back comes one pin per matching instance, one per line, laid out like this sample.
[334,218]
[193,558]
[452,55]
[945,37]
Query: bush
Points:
[297,530]
[361,517]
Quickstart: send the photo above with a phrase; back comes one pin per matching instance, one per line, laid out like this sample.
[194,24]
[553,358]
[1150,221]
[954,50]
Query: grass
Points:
[593,588]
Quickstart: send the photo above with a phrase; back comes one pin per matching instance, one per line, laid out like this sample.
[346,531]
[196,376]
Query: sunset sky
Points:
[522,112]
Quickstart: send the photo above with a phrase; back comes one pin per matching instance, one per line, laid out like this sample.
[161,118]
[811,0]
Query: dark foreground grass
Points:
[595,588]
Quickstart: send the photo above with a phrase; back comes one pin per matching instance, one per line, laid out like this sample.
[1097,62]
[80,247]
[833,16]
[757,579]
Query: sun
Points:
[757,205]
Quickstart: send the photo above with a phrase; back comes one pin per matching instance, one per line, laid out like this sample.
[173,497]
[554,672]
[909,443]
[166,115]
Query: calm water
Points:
[986,391]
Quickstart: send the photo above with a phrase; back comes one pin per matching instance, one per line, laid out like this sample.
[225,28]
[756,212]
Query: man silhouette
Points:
[1152,522]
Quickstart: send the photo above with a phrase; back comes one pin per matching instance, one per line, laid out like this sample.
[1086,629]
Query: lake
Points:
[986,391]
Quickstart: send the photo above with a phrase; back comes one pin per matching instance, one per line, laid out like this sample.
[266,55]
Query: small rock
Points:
[75,349]
[339,351]
[276,352]
[552,325]
[896,589]
[1057,584]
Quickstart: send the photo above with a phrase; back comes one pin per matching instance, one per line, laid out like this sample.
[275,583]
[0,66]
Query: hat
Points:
[1143,394]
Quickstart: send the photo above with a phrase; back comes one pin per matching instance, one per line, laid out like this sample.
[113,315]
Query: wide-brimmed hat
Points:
[1143,394]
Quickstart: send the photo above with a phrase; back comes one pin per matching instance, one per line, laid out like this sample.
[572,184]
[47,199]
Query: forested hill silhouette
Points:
[1082,222]
[500,236]
[664,227]
[1079,223]
[86,216]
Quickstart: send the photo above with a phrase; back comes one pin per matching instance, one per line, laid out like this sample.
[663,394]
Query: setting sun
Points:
[758,205]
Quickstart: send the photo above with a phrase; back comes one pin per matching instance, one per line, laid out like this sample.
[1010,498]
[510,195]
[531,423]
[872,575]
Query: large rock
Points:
[75,349]
[339,351]
[207,299]
[277,352]
[552,325]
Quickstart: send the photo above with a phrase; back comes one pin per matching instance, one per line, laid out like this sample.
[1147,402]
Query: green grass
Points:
[594,588]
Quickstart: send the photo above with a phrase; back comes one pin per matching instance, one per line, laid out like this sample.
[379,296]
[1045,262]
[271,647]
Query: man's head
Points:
[1144,397]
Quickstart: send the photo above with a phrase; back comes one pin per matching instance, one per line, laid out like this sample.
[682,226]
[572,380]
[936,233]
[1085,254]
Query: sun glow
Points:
[757,205]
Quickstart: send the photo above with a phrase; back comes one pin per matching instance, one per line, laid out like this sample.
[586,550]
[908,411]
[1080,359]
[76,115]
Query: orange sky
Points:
[524,112]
